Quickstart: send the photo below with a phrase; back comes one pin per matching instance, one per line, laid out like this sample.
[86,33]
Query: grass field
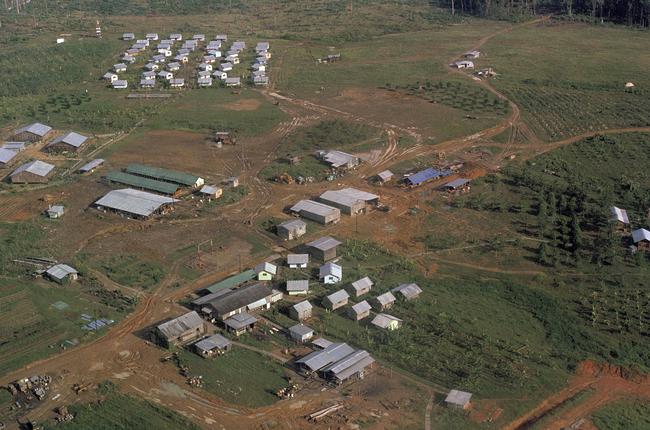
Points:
[623,415]
[561,95]
[124,412]
[131,271]
[241,376]
[50,317]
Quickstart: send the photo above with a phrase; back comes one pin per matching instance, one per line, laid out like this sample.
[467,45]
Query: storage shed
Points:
[62,273]
[336,300]
[386,322]
[213,345]
[292,229]
[360,287]
[32,133]
[315,211]
[408,291]
[298,287]
[301,333]
[69,142]
[384,301]
[324,248]
[240,323]
[301,311]
[180,330]
[330,273]
[298,261]
[458,399]
[360,311]
[34,172]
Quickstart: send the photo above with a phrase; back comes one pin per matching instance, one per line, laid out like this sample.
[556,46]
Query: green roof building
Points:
[232,281]
[141,183]
[165,175]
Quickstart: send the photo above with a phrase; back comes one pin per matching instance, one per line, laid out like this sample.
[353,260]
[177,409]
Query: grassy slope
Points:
[570,78]
[623,415]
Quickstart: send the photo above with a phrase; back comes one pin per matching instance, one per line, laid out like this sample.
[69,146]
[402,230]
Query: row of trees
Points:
[629,12]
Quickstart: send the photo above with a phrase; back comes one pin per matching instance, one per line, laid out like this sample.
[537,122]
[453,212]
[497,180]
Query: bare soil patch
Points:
[243,105]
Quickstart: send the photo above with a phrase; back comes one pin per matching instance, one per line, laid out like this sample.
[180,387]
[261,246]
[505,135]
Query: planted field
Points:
[119,411]
[241,376]
[623,415]
[37,321]
[131,271]
[550,71]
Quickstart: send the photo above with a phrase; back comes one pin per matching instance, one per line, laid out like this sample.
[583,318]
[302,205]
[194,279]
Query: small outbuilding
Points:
[210,192]
[62,273]
[55,211]
[292,229]
[386,322]
[240,323]
[336,300]
[458,399]
[213,345]
[408,291]
[619,218]
[301,333]
[460,185]
[384,177]
[6,155]
[641,239]
[330,273]
[360,287]
[298,287]
[384,301]
[297,261]
[360,311]
[266,271]
[301,311]
[324,248]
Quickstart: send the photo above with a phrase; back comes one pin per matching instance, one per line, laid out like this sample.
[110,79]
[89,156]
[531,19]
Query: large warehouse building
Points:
[134,203]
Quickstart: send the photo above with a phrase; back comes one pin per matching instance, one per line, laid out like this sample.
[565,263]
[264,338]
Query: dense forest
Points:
[629,12]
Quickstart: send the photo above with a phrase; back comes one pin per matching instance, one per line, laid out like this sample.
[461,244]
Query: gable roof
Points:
[71,138]
[362,284]
[385,175]
[384,320]
[240,321]
[457,183]
[91,165]
[297,258]
[240,298]
[179,325]
[338,296]
[134,201]
[324,243]
[266,267]
[298,285]
[315,207]
[215,341]
[301,330]
[60,271]
[36,167]
[293,224]
[339,158]
[330,269]
[361,307]
[386,298]
[6,155]
[640,235]
[303,306]
[36,128]
[331,354]
[619,215]
[409,291]
[232,281]
[169,175]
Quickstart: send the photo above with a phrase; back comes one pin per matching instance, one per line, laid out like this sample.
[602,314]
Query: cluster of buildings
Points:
[467,61]
[37,171]
[640,238]
[260,64]
[327,208]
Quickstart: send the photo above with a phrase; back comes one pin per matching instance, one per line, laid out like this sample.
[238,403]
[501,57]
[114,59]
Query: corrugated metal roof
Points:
[163,174]
[240,298]
[386,298]
[36,167]
[216,341]
[360,363]
[361,307]
[321,342]
[60,271]
[331,269]
[324,243]
[298,285]
[134,201]
[620,215]
[427,174]
[147,82]
[294,224]
[303,306]
[457,183]
[298,258]
[240,321]
[174,328]
[232,281]
[301,330]
[36,128]
[338,296]
[266,267]
[209,189]
[6,155]
[409,291]
[459,398]
[14,146]
[315,208]
[640,234]
[319,359]
[141,182]
[384,320]
[385,175]
[71,138]
[209,297]
[91,165]
[362,284]
[339,366]
[340,158]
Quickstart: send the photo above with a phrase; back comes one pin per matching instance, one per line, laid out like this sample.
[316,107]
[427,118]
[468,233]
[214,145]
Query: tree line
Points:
[628,12]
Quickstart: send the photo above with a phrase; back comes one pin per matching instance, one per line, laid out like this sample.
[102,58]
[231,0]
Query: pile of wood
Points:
[319,415]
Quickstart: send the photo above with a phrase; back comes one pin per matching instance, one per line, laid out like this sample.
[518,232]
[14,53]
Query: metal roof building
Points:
[338,159]
[301,311]
[384,301]
[301,332]
[241,322]
[35,129]
[349,200]
[215,342]
[408,291]
[232,281]
[426,175]
[456,183]
[167,175]
[361,286]
[186,327]
[59,272]
[336,300]
[386,321]
[133,202]
[245,298]
[296,287]
[316,211]
[360,310]
[291,229]
[459,399]
[353,364]
[297,260]
[640,235]
[385,176]
[14,146]
[321,342]
[619,215]
[141,182]
[6,155]
[92,165]
[317,360]
[33,172]
[323,248]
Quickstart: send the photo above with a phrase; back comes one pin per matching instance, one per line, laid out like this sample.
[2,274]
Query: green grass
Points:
[120,411]
[629,414]
[547,69]
[20,240]
[41,328]
[303,143]
[240,376]
[131,271]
